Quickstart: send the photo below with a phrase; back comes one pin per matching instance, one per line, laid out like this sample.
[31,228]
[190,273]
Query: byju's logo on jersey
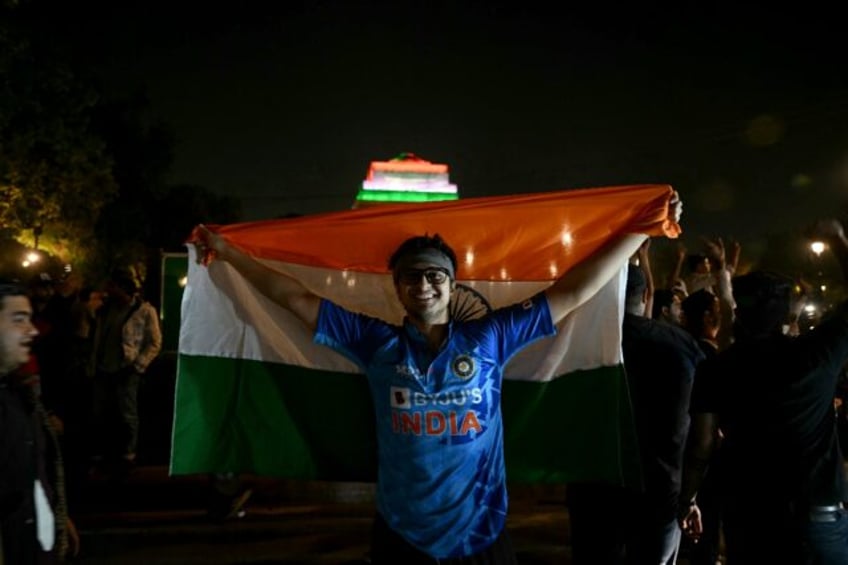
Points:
[463,366]
[400,397]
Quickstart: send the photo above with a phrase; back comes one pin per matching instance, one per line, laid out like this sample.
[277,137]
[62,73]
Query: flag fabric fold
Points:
[255,395]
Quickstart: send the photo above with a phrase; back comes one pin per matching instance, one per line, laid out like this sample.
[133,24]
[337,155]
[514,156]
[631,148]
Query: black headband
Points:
[429,256]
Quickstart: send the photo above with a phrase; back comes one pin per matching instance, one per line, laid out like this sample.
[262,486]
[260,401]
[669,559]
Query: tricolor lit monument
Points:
[406,178]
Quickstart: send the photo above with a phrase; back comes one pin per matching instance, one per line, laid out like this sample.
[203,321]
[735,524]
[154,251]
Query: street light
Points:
[817,247]
[31,258]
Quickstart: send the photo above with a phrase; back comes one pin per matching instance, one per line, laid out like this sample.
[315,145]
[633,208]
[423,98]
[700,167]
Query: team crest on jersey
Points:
[464,367]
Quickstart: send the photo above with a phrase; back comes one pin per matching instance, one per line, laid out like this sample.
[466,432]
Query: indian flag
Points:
[255,395]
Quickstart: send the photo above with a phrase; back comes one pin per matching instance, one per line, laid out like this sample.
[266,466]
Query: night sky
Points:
[744,113]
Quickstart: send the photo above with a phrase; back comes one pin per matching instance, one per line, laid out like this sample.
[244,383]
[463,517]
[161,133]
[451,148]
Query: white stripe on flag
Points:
[223,316]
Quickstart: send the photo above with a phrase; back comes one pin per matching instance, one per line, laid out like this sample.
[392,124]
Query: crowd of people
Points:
[734,413]
[737,413]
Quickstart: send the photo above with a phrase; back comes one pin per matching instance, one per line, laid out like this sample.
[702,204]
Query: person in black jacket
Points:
[34,529]
[660,360]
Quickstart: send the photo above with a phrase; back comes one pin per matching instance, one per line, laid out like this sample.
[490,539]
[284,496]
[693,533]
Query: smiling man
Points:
[435,383]
[27,530]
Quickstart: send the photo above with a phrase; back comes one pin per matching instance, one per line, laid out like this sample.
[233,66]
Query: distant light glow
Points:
[553,269]
[504,273]
[469,257]
[823,288]
[400,196]
[32,257]
[567,239]
[403,185]
[406,179]
[817,247]
[810,308]
[183,281]
[407,163]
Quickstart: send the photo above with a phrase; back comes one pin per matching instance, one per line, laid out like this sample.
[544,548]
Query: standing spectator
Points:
[659,360]
[703,319]
[127,339]
[772,397]
[33,521]
[78,429]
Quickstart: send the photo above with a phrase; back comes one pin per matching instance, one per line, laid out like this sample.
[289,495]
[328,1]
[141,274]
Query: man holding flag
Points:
[435,383]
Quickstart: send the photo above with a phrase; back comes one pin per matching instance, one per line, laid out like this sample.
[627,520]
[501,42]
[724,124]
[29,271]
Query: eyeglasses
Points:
[433,276]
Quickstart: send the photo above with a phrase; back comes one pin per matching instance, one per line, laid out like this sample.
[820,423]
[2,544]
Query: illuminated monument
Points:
[406,178]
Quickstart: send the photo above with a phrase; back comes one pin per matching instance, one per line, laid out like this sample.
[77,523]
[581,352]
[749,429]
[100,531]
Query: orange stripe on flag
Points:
[533,237]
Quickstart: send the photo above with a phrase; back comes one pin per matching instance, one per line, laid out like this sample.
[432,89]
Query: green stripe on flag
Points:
[576,427]
[272,420]
[280,420]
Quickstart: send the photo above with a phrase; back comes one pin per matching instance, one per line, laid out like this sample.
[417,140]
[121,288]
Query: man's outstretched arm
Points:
[583,281]
[588,277]
[279,287]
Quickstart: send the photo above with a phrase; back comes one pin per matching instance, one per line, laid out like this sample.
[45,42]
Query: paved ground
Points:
[152,518]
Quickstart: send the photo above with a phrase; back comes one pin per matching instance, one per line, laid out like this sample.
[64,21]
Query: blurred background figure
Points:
[127,338]
[769,395]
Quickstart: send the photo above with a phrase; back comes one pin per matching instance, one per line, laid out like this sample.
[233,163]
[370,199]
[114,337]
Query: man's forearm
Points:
[703,437]
[584,280]
[694,470]
[275,285]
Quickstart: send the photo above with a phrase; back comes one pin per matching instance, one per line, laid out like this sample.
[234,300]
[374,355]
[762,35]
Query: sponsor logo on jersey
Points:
[402,397]
[452,413]
[399,397]
[436,422]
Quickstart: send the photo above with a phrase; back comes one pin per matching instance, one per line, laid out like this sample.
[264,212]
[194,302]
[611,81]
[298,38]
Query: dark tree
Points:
[55,173]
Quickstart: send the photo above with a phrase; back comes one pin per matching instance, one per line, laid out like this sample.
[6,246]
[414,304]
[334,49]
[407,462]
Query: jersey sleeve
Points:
[521,324]
[356,336]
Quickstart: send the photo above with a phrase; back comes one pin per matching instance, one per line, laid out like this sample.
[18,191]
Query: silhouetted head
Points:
[763,302]
[666,305]
[701,314]
[698,263]
[122,285]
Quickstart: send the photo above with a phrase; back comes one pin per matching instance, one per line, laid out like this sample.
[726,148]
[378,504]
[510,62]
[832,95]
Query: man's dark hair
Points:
[693,260]
[125,281]
[696,305]
[763,301]
[663,298]
[419,242]
[11,287]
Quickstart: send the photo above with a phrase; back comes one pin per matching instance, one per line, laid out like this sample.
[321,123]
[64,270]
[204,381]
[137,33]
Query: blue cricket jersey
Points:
[441,479]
